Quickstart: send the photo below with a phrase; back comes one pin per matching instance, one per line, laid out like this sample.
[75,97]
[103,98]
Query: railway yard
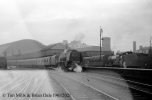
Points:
[41,84]
[70,75]
[76,50]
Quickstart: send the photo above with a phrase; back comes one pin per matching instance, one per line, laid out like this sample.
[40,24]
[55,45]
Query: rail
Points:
[140,75]
[139,80]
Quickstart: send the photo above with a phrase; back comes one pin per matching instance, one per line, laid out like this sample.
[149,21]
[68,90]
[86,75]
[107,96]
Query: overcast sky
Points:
[52,21]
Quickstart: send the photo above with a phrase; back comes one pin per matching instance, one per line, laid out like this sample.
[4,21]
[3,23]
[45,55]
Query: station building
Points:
[106,44]
[144,50]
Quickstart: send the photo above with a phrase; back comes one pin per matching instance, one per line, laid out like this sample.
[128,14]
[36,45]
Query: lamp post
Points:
[101,31]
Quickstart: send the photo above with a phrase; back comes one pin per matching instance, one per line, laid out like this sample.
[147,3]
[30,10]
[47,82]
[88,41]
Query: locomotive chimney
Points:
[134,46]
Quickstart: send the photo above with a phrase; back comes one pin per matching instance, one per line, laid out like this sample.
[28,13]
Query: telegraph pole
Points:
[150,51]
[100,40]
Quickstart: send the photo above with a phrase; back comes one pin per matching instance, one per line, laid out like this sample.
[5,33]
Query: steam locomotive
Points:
[123,60]
[132,60]
[67,60]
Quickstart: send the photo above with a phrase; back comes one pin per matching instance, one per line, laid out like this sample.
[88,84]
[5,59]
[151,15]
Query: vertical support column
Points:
[100,40]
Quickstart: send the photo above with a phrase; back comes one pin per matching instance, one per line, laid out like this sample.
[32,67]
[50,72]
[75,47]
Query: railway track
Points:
[73,86]
[140,91]
[13,87]
[138,80]
[80,90]
[134,74]
[25,83]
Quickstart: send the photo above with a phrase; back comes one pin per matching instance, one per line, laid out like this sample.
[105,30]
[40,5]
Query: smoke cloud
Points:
[79,37]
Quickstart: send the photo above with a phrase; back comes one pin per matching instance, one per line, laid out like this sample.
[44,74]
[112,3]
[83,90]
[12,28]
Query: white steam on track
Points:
[78,68]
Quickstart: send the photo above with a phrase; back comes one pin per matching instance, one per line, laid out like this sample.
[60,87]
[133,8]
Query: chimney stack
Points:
[134,46]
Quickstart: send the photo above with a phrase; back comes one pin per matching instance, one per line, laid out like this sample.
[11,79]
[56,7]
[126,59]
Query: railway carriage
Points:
[43,62]
[54,60]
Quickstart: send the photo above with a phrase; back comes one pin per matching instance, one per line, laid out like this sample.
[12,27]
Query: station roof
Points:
[3,48]
[21,47]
